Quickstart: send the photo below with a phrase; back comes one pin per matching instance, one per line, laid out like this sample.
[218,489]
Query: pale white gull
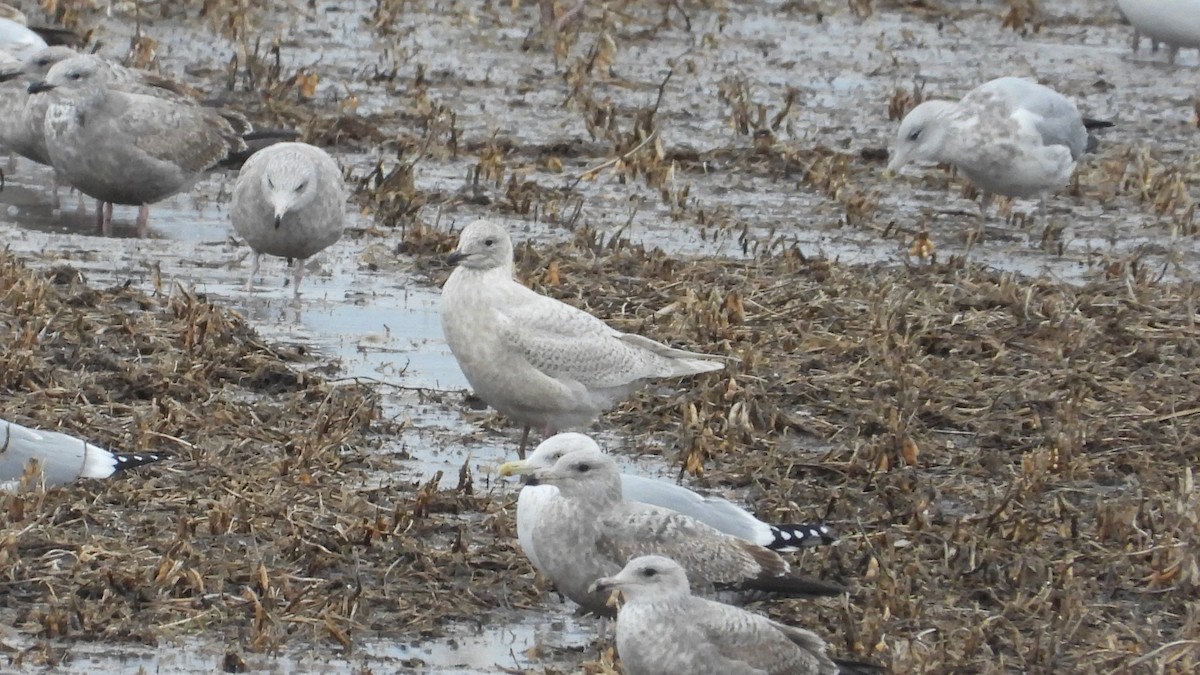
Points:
[289,201]
[718,513]
[18,40]
[61,458]
[593,531]
[1010,136]
[1174,23]
[662,629]
[539,361]
[128,148]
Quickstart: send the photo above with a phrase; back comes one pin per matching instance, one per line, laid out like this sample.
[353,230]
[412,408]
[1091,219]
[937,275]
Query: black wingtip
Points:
[795,536]
[858,668]
[131,460]
[1090,124]
[795,586]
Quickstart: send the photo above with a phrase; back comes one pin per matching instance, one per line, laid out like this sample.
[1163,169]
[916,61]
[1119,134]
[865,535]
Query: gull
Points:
[594,531]
[534,500]
[122,147]
[539,361]
[662,629]
[60,458]
[289,201]
[1175,23]
[1010,136]
[18,40]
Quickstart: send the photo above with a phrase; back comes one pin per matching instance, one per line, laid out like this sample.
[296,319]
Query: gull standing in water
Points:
[129,148]
[1010,136]
[539,361]
[289,201]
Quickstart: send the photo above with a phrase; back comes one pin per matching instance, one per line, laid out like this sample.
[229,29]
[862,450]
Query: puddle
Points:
[381,323]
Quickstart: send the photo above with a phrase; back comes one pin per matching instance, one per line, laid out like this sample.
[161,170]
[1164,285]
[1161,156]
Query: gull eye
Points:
[584,468]
[649,572]
[914,135]
[489,242]
[270,183]
[300,187]
[75,75]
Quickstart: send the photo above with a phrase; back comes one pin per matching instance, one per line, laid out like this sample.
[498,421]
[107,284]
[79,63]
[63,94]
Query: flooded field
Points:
[1001,433]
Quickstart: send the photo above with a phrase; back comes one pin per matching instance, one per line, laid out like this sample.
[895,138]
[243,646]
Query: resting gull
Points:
[1175,23]
[537,360]
[1010,136]
[713,511]
[122,147]
[593,531]
[289,201]
[61,458]
[18,40]
[662,629]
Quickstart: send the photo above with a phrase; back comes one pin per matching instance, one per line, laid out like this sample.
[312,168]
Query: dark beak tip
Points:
[455,258]
[39,87]
[278,221]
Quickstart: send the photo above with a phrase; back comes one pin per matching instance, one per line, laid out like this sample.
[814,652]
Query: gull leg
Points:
[296,277]
[143,220]
[1172,52]
[524,441]
[253,273]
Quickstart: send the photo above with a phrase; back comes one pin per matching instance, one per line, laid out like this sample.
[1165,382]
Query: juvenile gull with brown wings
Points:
[662,629]
[594,531]
[539,361]
[122,147]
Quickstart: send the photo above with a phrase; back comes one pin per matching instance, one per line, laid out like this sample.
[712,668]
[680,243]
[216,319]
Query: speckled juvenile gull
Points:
[18,40]
[662,629]
[128,148]
[713,511]
[289,201]
[593,531]
[62,458]
[537,360]
[1174,23]
[1010,136]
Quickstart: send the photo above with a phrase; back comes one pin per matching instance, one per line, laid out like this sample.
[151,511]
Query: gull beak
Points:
[611,586]
[278,219]
[456,257]
[39,87]
[516,468]
[897,162]
[5,77]
[603,585]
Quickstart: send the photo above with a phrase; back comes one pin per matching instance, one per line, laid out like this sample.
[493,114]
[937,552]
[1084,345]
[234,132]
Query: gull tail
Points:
[793,537]
[678,361]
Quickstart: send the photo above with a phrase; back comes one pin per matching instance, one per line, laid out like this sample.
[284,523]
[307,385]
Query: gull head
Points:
[288,183]
[648,576]
[78,73]
[483,245]
[39,63]
[547,454]
[585,473]
[921,136]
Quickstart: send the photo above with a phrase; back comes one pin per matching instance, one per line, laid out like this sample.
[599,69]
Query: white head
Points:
[649,577]
[922,135]
[582,473]
[288,181]
[552,449]
[483,245]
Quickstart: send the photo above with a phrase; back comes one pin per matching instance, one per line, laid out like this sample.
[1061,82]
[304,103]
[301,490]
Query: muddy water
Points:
[364,311]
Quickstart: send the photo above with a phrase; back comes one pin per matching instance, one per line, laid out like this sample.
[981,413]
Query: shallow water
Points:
[378,321]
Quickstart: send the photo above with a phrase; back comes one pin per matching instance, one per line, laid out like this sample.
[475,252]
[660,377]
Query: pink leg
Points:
[253,273]
[297,276]
[143,220]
